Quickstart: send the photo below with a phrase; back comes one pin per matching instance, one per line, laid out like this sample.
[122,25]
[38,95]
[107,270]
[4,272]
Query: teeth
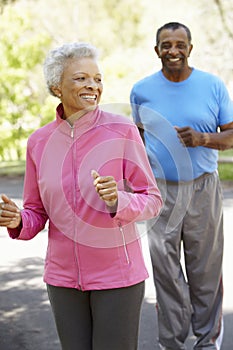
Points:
[89,97]
[174,59]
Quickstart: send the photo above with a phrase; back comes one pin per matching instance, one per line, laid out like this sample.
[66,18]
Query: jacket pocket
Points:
[124,242]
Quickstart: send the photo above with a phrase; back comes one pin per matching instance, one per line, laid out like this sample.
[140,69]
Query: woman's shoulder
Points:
[114,115]
[42,133]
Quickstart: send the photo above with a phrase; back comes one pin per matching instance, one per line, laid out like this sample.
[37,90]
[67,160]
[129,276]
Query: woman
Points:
[87,173]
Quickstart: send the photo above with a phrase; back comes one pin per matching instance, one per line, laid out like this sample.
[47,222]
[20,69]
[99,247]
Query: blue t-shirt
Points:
[201,102]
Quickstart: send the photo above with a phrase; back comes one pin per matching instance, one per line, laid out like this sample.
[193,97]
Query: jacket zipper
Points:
[124,242]
[75,204]
[72,132]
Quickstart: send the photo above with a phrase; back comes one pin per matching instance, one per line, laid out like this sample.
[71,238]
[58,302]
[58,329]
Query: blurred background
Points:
[123,31]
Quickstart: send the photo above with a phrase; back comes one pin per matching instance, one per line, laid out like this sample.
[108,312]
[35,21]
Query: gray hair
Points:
[56,60]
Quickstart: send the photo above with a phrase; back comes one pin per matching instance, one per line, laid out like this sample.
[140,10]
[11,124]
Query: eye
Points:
[80,78]
[98,80]
[181,46]
[165,47]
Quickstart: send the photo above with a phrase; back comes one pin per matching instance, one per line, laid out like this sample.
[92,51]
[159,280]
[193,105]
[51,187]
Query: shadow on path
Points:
[26,321]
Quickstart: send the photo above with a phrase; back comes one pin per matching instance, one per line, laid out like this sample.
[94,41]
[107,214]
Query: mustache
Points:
[171,56]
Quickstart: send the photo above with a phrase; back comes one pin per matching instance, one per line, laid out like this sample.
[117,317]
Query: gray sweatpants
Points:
[98,319]
[192,214]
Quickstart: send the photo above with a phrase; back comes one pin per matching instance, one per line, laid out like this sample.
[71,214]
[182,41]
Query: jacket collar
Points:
[82,124]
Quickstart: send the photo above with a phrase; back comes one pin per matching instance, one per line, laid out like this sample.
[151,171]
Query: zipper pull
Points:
[72,132]
[124,242]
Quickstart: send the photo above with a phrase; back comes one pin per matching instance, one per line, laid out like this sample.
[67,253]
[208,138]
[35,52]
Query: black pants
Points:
[99,319]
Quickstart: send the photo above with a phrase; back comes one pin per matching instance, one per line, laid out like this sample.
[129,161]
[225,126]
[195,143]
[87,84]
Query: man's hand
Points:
[190,137]
[10,216]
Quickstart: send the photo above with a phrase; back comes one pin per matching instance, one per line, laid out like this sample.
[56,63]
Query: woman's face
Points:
[81,86]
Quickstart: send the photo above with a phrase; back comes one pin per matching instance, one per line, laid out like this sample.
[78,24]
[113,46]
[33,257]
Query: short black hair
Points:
[173,26]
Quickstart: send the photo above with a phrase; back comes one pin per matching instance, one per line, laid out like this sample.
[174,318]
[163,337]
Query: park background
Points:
[124,32]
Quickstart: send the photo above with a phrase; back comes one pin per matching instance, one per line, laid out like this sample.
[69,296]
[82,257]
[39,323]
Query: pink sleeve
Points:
[34,216]
[143,200]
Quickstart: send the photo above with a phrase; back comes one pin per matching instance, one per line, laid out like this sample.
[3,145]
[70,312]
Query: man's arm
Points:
[141,131]
[221,140]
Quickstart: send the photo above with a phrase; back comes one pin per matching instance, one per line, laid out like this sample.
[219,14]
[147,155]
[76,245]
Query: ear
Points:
[157,50]
[190,49]
[56,90]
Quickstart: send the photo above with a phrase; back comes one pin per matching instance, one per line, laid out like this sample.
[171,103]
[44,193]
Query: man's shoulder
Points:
[147,80]
[110,118]
[116,123]
[205,75]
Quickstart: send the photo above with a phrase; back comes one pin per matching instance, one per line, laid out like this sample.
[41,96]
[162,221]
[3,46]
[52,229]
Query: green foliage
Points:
[126,17]
[226,153]
[123,31]
[22,49]
[47,110]
[111,24]
[5,2]
[226,171]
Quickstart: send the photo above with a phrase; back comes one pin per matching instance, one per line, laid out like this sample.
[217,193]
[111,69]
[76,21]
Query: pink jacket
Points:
[88,247]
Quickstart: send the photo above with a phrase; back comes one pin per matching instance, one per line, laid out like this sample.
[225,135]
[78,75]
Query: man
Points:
[185,116]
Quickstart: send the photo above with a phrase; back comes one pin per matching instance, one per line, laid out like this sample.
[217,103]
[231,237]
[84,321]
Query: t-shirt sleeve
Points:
[134,107]
[225,105]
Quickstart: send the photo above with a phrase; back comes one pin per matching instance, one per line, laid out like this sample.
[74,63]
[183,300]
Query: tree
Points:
[225,8]
[123,31]
[119,22]
[3,3]
[22,51]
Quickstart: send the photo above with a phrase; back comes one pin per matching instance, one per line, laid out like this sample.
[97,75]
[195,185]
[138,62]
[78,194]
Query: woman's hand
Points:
[10,216]
[106,187]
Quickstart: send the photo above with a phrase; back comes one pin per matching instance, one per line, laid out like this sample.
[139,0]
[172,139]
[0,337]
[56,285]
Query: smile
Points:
[89,97]
[174,59]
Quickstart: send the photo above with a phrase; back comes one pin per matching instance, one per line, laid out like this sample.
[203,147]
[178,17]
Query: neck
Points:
[71,118]
[177,76]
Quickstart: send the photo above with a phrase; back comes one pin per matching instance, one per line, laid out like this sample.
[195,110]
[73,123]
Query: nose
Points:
[92,84]
[172,50]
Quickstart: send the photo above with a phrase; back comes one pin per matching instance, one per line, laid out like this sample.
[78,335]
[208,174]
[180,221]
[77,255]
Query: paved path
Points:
[26,321]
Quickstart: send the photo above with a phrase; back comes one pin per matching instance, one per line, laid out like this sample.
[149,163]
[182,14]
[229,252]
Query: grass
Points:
[228,153]
[226,169]
[12,168]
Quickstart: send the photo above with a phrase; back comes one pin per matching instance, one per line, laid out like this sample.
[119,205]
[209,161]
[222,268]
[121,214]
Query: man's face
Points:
[173,49]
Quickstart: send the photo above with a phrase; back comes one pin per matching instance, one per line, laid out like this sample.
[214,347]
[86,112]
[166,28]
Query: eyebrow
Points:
[168,41]
[85,73]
